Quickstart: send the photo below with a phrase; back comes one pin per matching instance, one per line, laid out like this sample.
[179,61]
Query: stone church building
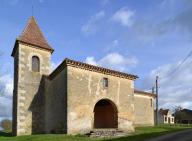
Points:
[76,97]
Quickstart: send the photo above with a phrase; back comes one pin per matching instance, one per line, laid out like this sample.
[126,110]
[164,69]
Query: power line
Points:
[172,72]
[181,63]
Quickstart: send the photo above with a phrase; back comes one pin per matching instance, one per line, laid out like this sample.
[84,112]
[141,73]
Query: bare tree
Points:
[178,114]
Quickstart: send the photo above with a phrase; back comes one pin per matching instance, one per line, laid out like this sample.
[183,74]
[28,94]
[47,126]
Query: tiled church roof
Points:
[32,35]
[81,65]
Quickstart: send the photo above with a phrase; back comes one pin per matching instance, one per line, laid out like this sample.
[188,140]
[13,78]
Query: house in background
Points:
[165,117]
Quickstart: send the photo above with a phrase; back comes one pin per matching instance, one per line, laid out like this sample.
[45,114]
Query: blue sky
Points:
[146,38]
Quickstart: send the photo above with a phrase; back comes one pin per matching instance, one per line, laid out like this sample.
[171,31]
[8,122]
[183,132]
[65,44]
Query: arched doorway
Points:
[105,114]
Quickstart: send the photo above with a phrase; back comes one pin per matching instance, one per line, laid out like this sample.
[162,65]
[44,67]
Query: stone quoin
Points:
[76,97]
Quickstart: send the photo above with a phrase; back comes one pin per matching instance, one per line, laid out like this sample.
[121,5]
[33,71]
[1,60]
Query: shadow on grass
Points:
[5,134]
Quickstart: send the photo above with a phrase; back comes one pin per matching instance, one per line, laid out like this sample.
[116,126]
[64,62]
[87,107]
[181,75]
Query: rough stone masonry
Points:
[76,97]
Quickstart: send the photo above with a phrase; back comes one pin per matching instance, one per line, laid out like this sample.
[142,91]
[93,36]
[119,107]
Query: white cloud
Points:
[114,61]
[91,60]
[91,26]
[124,16]
[54,65]
[117,60]
[175,86]
[112,46]
[6,82]
[172,23]
[5,106]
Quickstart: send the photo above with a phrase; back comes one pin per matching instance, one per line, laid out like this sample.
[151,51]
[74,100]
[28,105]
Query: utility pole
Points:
[157,102]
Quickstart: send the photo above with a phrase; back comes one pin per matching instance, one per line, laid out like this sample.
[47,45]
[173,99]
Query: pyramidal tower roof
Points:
[32,35]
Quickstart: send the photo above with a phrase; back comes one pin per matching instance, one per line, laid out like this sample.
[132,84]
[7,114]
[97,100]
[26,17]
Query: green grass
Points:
[140,134]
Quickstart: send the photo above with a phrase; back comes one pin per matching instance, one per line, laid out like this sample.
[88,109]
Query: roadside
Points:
[185,135]
[146,133]
[141,134]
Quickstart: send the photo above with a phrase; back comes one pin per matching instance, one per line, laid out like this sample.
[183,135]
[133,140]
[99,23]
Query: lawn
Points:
[141,134]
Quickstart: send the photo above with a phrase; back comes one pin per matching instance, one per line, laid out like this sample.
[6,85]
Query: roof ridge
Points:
[82,65]
[74,61]
[144,92]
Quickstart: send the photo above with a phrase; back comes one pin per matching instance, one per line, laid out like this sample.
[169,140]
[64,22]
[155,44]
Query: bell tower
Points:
[31,55]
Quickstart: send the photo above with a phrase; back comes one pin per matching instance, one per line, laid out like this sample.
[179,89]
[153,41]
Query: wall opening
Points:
[105,114]
[35,64]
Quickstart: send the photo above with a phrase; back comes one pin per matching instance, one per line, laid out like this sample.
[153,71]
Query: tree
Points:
[178,114]
[6,124]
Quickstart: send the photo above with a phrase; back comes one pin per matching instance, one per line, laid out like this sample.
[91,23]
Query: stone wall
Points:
[65,102]
[28,100]
[85,89]
[56,104]
[144,110]
[14,109]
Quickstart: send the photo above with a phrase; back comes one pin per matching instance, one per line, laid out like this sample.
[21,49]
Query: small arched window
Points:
[35,64]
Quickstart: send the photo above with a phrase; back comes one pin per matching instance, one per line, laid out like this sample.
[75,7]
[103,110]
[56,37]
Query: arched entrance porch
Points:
[105,114]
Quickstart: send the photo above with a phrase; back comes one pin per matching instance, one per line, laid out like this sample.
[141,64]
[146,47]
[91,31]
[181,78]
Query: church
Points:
[76,97]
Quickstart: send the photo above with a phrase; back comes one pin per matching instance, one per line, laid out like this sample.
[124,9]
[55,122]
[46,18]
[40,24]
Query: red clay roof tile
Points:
[32,35]
[81,65]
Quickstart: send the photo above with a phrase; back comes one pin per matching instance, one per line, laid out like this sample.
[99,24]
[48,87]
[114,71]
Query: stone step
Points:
[107,133]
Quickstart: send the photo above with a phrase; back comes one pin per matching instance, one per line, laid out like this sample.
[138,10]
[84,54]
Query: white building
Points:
[165,117]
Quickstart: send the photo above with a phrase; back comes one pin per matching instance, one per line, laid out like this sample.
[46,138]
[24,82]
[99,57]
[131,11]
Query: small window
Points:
[165,119]
[105,82]
[35,64]
[172,119]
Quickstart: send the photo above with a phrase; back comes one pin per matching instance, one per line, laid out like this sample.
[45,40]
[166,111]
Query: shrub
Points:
[6,124]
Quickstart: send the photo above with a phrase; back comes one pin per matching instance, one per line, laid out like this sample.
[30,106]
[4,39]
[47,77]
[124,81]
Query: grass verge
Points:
[140,134]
